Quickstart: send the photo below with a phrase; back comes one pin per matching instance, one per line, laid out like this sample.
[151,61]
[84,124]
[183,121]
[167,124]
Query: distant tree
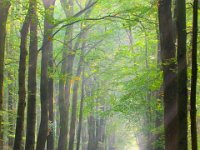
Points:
[80,120]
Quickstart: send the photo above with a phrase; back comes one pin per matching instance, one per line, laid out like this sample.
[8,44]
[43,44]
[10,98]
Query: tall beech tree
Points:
[75,100]
[74,106]
[182,75]
[49,21]
[168,56]
[82,36]
[4,8]
[22,85]
[193,111]
[32,68]
[65,81]
[47,48]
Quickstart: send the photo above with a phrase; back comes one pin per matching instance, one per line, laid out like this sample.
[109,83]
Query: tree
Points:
[32,68]
[81,111]
[82,36]
[22,85]
[4,8]
[74,103]
[46,49]
[50,18]
[194,77]
[168,54]
[182,75]
[65,83]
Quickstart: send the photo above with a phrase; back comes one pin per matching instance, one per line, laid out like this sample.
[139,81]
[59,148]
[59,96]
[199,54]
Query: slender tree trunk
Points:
[22,85]
[83,35]
[46,48]
[65,84]
[194,77]
[33,51]
[4,8]
[64,92]
[91,133]
[101,133]
[169,74]
[74,105]
[84,137]
[80,113]
[182,75]
[62,108]
[50,138]
[11,86]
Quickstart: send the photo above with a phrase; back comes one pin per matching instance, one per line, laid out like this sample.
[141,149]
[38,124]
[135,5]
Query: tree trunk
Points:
[182,75]
[169,74]
[50,138]
[83,35]
[62,108]
[22,85]
[4,8]
[101,133]
[74,105]
[64,91]
[65,84]
[91,133]
[84,135]
[46,48]
[33,51]
[10,111]
[194,77]
[80,113]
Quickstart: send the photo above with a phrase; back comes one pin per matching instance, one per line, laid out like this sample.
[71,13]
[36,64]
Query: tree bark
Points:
[168,54]
[182,75]
[22,85]
[194,77]
[33,52]
[80,113]
[50,138]
[10,111]
[4,8]
[44,87]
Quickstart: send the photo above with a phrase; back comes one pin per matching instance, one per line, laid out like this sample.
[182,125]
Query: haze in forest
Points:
[99,75]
